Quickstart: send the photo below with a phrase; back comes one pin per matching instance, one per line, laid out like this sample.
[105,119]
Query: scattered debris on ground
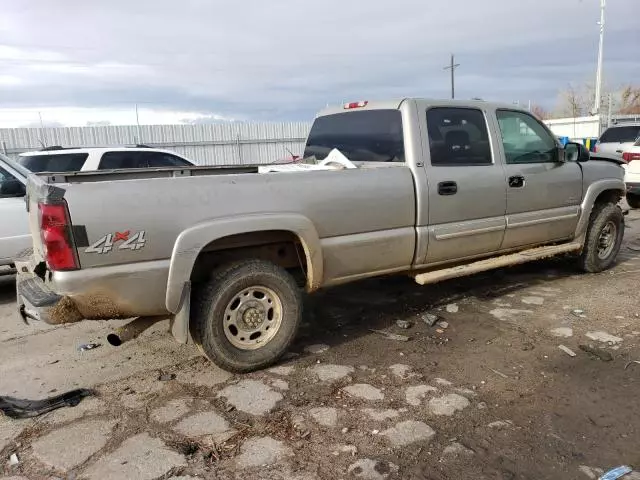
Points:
[88,346]
[392,336]
[22,408]
[567,350]
[598,352]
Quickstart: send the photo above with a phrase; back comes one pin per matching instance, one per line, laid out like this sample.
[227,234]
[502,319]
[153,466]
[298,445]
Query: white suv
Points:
[59,159]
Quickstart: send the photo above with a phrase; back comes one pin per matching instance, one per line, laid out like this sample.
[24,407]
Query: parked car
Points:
[60,159]
[429,189]
[631,155]
[617,139]
[15,237]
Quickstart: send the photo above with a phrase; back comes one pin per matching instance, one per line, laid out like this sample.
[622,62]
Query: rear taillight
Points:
[630,156]
[595,148]
[55,231]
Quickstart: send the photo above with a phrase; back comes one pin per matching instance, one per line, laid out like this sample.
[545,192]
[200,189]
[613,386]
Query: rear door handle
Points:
[517,181]
[447,188]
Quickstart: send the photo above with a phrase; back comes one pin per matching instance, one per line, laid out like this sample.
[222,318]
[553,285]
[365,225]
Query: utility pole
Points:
[453,67]
[596,103]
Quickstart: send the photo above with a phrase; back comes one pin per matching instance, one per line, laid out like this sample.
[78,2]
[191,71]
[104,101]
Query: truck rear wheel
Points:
[247,315]
[633,200]
[604,237]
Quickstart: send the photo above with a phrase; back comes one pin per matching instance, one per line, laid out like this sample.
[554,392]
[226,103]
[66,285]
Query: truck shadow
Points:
[339,314]
[7,289]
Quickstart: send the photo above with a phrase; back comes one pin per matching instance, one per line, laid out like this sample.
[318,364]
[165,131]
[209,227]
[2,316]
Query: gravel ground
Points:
[486,393]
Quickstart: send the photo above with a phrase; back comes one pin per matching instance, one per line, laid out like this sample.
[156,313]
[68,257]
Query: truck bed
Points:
[128,222]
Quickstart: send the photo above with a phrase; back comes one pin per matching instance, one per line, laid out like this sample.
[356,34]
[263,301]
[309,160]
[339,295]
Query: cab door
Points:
[467,187]
[543,192]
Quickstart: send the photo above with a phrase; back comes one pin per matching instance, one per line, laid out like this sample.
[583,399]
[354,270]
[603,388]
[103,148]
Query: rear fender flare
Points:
[190,243]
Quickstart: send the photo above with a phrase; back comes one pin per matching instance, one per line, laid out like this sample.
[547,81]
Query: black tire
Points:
[633,200]
[215,299]
[603,215]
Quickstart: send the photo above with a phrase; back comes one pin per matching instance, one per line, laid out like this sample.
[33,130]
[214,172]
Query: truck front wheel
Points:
[246,316]
[604,237]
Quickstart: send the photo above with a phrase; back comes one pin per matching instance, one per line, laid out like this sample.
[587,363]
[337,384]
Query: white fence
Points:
[216,144]
[578,127]
[210,144]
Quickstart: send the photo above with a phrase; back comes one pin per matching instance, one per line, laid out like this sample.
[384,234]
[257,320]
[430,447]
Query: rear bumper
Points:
[101,293]
[37,302]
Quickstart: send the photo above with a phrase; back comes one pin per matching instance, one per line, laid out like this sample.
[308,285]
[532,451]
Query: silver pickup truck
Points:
[431,189]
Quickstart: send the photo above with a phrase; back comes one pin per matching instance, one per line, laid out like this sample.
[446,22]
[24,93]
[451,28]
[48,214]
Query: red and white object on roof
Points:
[360,104]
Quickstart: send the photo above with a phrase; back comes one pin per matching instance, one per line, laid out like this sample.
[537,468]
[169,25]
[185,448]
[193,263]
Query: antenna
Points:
[139,139]
[43,135]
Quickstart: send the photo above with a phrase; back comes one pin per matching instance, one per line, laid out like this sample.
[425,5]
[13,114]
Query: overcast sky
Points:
[79,61]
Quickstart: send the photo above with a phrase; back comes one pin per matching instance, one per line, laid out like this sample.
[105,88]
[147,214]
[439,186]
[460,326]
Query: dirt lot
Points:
[487,395]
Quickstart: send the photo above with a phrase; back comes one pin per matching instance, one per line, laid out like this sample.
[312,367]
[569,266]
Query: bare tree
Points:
[578,101]
[630,100]
[540,112]
[573,102]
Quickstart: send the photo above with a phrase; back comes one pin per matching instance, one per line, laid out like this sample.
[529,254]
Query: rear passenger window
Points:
[458,137]
[113,160]
[159,159]
[137,159]
[54,162]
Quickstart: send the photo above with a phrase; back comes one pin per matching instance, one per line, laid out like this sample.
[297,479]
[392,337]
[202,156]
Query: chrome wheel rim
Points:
[607,240]
[252,317]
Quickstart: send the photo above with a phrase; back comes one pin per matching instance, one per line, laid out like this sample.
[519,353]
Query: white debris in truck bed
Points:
[334,161]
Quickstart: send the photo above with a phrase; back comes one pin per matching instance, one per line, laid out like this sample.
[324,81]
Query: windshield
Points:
[621,134]
[366,136]
[63,162]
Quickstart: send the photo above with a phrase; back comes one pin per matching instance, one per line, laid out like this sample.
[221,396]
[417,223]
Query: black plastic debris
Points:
[23,408]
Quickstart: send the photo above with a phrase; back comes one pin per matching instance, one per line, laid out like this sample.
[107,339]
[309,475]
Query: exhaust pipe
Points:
[131,330]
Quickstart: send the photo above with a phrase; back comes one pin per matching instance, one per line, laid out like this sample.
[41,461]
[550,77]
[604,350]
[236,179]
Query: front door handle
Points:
[517,181]
[447,188]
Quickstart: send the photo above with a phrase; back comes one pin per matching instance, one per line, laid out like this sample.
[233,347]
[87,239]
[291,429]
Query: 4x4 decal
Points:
[110,240]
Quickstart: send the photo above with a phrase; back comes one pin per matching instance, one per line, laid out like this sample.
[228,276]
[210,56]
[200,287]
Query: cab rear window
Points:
[61,162]
[365,136]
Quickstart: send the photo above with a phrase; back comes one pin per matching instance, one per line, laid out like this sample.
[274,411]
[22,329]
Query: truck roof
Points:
[394,104]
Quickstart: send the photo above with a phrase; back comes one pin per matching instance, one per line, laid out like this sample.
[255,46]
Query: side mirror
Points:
[12,188]
[575,152]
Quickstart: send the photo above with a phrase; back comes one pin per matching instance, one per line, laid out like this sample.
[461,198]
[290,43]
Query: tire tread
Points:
[205,298]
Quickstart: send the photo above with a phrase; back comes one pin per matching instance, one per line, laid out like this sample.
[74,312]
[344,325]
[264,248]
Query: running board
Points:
[496,262]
